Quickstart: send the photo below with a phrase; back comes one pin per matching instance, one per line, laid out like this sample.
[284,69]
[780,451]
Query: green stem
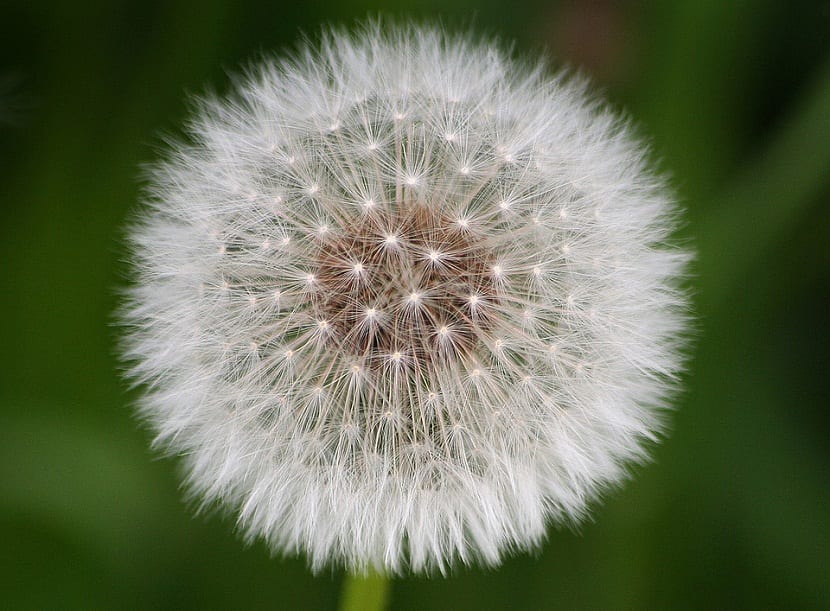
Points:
[364,592]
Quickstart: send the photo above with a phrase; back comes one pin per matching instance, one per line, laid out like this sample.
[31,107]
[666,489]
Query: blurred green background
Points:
[733,513]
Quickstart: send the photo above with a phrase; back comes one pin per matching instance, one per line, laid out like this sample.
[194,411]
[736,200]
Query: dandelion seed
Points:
[417,393]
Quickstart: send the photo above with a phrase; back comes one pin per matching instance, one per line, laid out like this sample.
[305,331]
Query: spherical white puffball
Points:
[401,301]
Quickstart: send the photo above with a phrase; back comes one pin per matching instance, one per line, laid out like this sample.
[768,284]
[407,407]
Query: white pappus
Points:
[401,300]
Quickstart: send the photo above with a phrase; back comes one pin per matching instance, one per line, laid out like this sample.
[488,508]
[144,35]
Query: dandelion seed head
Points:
[378,312]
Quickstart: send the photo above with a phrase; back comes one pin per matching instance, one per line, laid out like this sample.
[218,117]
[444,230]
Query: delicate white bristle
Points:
[378,311]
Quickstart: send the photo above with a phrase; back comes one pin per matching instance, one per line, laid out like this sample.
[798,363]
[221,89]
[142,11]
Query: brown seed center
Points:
[406,285]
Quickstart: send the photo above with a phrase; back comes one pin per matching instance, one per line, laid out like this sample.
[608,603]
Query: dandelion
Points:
[403,301]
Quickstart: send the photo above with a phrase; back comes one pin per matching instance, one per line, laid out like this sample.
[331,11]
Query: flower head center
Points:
[404,296]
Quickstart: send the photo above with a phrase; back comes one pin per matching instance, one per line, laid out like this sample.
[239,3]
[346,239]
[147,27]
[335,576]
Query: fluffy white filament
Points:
[402,301]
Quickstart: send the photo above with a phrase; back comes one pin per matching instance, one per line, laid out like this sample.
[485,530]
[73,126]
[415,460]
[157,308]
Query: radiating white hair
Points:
[402,300]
